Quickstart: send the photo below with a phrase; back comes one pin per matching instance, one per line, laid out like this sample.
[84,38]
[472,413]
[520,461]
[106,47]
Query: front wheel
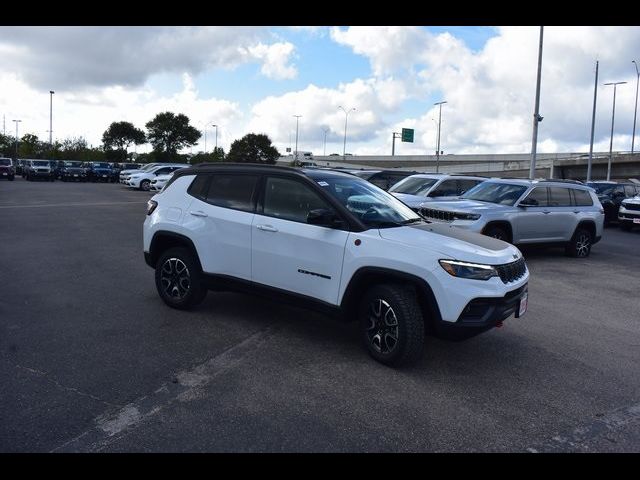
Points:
[391,323]
[497,232]
[145,185]
[580,244]
[179,280]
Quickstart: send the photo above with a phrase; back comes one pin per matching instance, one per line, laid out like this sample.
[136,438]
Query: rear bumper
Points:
[482,314]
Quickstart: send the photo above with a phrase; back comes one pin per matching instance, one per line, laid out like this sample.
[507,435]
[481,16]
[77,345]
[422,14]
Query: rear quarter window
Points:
[582,198]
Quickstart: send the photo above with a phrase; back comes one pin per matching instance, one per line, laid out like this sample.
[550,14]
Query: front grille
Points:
[442,215]
[632,206]
[510,272]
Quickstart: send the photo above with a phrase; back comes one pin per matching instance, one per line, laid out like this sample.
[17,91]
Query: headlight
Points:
[466,216]
[473,271]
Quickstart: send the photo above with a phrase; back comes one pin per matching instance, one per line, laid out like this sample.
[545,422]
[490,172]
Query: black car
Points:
[99,171]
[116,168]
[611,195]
[71,171]
[384,179]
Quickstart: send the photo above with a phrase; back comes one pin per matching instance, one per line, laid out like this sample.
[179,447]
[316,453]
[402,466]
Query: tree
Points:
[169,133]
[253,148]
[118,137]
[216,156]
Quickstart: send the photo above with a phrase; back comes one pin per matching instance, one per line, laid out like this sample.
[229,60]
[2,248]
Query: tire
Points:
[388,312]
[498,232]
[12,178]
[626,226]
[580,244]
[145,185]
[170,279]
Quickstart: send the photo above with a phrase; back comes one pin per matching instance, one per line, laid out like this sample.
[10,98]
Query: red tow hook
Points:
[499,324]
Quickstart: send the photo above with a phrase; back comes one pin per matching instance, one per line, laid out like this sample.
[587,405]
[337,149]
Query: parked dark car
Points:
[7,169]
[384,179]
[611,195]
[99,171]
[116,168]
[19,165]
[71,171]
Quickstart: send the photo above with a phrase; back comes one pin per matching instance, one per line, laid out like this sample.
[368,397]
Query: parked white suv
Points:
[124,174]
[142,179]
[334,242]
[421,188]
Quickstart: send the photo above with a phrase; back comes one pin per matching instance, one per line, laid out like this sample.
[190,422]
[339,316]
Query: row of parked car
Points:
[64,170]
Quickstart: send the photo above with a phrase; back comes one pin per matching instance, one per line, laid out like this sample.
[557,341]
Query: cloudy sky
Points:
[255,79]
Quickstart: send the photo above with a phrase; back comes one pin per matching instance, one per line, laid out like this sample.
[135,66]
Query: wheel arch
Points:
[589,225]
[502,224]
[163,240]
[366,277]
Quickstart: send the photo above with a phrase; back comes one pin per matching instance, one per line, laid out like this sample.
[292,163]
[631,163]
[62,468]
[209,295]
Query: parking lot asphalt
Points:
[92,360]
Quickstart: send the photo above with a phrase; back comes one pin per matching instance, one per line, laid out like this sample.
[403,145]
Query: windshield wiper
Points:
[412,220]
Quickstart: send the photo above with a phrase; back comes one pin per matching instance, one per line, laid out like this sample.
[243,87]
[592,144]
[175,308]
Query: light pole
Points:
[324,151]
[296,152]
[537,118]
[346,116]
[635,112]
[593,125]
[17,122]
[216,147]
[613,114]
[439,126]
[51,92]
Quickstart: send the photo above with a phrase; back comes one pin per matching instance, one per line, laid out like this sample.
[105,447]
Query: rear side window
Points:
[197,187]
[559,197]
[582,198]
[232,191]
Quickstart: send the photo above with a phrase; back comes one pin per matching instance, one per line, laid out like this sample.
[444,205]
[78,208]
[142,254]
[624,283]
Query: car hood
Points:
[632,201]
[411,200]
[464,206]
[454,243]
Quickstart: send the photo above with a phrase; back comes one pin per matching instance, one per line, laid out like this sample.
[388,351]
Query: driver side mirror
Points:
[324,218]
[528,202]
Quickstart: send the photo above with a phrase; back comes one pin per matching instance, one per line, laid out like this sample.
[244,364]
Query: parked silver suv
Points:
[527,212]
[427,187]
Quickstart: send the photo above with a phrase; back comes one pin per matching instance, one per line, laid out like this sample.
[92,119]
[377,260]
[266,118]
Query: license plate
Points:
[523,305]
[104,176]
[4,173]
[635,220]
[75,174]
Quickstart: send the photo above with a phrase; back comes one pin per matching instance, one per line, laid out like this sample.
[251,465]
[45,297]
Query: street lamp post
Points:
[51,92]
[439,126]
[593,125]
[346,116]
[17,122]
[324,151]
[537,118]
[216,147]
[613,114]
[296,152]
[635,111]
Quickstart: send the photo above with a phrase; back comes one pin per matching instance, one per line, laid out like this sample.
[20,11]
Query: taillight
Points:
[151,206]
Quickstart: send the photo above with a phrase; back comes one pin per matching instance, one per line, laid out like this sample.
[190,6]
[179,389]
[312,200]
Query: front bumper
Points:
[37,174]
[482,314]
[625,215]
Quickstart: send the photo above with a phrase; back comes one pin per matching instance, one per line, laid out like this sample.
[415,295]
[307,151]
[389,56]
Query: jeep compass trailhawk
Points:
[335,242]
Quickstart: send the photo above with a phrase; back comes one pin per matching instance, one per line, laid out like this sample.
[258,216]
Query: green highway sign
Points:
[407,135]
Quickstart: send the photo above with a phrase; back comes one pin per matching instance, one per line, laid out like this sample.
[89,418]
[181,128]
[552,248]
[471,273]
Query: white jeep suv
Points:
[334,242]
[142,179]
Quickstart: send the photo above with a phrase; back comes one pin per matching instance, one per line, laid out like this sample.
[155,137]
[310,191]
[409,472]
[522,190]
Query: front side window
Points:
[447,188]
[538,197]
[290,200]
[232,191]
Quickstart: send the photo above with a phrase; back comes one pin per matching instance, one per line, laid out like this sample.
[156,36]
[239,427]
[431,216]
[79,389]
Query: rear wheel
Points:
[12,177]
[179,279]
[391,323]
[580,244]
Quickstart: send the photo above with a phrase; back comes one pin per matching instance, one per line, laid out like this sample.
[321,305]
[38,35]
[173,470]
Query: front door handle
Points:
[198,213]
[546,211]
[267,228]
[576,211]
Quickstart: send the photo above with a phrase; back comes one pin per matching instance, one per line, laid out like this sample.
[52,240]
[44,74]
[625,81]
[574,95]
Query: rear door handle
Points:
[546,211]
[576,211]
[267,228]
[198,213]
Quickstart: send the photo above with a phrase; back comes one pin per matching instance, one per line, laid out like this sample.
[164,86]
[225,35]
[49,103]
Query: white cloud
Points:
[274,58]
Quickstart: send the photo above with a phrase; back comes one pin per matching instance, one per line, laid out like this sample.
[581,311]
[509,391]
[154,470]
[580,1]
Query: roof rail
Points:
[559,180]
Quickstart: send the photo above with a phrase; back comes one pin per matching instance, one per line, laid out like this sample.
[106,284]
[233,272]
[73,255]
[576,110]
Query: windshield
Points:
[73,164]
[493,192]
[100,165]
[5,161]
[414,186]
[372,205]
[40,163]
[364,174]
[603,188]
